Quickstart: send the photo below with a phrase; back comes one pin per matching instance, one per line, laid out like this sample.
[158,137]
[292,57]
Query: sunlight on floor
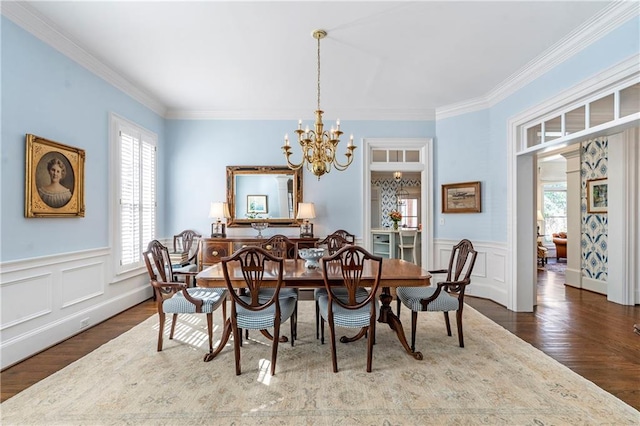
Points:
[263,372]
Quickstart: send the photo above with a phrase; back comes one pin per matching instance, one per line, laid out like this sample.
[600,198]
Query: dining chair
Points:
[346,235]
[281,246]
[331,243]
[174,297]
[186,242]
[343,305]
[407,241]
[251,310]
[446,296]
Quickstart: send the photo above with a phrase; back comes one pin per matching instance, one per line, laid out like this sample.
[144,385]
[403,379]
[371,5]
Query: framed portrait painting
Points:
[597,195]
[462,197]
[54,181]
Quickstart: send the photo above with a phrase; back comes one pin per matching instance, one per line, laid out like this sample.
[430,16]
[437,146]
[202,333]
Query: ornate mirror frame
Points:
[234,172]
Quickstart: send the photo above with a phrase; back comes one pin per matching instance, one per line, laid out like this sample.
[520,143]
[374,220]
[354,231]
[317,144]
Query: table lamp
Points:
[306,211]
[218,210]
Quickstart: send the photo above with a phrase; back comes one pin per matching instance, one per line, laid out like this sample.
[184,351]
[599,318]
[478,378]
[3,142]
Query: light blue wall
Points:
[198,152]
[47,94]
[477,141]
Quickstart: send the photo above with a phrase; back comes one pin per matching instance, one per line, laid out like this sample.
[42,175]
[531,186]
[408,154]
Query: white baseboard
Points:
[573,278]
[596,286]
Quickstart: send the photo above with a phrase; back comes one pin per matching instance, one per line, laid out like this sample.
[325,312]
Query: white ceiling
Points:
[389,59]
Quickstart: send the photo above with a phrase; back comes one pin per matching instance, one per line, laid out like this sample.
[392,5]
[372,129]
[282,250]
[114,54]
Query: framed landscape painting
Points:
[597,195]
[54,181]
[461,197]
[257,204]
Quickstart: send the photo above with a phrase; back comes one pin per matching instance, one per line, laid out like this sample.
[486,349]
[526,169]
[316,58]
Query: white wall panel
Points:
[45,300]
[26,298]
[82,283]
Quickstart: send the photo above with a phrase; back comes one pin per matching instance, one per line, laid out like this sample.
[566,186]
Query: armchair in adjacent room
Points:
[560,240]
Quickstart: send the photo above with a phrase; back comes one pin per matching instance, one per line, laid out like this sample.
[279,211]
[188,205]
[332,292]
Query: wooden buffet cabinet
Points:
[211,250]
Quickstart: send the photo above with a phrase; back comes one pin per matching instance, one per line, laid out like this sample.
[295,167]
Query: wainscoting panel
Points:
[82,283]
[488,278]
[47,300]
[14,314]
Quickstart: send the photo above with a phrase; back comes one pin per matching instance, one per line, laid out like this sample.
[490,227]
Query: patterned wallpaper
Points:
[388,189]
[594,163]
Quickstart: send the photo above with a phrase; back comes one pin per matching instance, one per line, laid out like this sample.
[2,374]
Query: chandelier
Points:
[319,146]
[401,194]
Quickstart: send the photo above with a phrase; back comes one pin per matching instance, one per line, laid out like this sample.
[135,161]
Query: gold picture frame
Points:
[464,197]
[597,195]
[54,179]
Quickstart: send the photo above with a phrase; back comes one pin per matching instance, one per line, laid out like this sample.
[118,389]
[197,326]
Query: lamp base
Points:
[306,230]
[218,230]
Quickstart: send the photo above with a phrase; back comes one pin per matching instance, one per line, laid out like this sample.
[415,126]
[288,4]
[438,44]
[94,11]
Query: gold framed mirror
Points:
[263,194]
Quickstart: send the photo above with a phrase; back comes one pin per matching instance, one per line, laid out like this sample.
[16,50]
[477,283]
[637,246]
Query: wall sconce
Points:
[218,210]
[306,211]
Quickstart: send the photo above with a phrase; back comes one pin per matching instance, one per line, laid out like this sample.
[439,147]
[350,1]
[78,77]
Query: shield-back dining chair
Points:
[251,311]
[174,297]
[343,305]
[446,296]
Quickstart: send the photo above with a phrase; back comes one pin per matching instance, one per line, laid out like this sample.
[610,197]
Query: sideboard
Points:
[211,250]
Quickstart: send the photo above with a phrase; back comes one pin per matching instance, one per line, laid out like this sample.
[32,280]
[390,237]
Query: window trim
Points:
[116,123]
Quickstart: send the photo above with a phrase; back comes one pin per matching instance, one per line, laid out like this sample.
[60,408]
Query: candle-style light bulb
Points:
[350,141]
[286,139]
[299,124]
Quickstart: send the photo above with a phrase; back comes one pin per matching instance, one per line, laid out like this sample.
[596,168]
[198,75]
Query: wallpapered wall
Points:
[388,188]
[594,161]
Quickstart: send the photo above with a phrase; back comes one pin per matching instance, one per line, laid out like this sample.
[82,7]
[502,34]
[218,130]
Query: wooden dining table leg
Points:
[388,317]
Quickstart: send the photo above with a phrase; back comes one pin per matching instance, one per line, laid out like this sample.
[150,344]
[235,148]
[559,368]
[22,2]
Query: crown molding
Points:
[589,32]
[29,19]
[351,114]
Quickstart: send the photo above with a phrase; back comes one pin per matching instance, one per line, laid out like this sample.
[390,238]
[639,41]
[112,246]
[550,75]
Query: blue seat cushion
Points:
[285,292]
[190,267]
[262,320]
[212,298]
[351,318]
[340,291]
[410,297]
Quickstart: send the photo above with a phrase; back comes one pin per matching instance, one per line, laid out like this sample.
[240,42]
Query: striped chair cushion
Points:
[319,292]
[356,318]
[285,292]
[212,298]
[264,319]
[410,297]
[186,268]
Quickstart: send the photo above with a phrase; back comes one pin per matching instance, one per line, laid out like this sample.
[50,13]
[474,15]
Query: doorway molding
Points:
[521,179]
[424,167]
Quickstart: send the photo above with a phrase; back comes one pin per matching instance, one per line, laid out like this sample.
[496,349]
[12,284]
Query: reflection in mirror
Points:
[263,193]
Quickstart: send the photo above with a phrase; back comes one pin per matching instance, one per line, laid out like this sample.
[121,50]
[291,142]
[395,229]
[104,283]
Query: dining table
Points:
[395,273]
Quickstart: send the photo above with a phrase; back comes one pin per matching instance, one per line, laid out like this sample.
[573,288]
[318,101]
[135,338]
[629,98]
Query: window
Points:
[134,163]
[409,211]
[554,209]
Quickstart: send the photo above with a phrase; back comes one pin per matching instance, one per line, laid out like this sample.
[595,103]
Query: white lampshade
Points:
[219,210]
[306,211]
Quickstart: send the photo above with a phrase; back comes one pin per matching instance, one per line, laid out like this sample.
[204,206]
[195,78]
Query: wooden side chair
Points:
[176,297]
[346,235]
[186,242]
[331,243]
[251,311]
[447,295]
[345,306]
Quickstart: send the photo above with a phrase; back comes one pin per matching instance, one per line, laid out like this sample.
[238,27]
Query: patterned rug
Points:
[556,267]
[496,379]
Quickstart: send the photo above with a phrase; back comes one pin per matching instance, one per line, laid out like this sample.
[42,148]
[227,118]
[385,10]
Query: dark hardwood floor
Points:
[580,329]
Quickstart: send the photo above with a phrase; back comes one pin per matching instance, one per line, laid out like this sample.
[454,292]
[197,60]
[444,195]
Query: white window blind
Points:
[137,194]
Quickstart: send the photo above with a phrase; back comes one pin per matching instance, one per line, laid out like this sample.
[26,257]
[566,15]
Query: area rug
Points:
[496,379]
